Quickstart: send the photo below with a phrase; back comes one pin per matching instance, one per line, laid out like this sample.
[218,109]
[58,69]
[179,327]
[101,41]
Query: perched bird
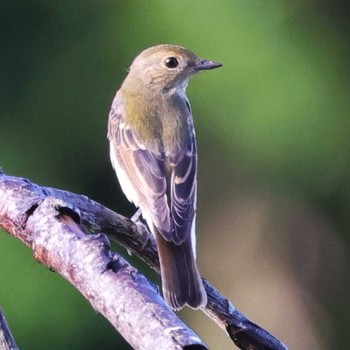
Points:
[154,153]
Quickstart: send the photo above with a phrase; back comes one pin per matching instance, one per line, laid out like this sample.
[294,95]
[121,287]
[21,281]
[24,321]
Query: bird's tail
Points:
[181,281]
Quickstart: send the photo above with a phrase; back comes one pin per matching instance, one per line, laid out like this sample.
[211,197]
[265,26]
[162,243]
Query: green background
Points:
[273,131]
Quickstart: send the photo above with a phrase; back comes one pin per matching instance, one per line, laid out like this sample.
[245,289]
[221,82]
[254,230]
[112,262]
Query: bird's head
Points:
[166,68]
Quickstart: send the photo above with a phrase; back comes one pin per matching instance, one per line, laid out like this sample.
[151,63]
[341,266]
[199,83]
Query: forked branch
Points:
[55,225]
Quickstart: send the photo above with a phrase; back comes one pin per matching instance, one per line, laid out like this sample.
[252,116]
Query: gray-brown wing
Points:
[141,173]
[148,179]
[184,189]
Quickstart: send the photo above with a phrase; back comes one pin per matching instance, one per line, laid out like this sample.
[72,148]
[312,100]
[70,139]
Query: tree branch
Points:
[7,342]
[50,226]
[36,214]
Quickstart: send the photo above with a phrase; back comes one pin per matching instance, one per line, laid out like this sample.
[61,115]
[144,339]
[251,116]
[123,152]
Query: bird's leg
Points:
[136,217]
[142,227]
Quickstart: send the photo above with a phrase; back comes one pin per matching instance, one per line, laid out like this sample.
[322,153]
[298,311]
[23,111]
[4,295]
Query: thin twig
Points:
[7,342]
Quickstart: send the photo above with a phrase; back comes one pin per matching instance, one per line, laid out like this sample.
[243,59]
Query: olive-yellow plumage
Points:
[153,151]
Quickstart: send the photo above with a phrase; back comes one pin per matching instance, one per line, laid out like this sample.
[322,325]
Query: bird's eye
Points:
[171,62]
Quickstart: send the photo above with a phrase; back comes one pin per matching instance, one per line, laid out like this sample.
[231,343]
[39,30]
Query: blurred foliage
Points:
[274,121]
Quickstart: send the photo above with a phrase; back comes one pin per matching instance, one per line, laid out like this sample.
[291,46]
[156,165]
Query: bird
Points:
[153,151]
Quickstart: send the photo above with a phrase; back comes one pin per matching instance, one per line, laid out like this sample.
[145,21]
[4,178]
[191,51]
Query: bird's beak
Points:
[205,65]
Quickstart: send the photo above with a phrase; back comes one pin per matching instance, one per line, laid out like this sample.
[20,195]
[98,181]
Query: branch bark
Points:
[7,342]
[42,216]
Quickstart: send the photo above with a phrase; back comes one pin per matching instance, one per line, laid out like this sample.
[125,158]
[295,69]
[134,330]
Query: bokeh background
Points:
[273,131]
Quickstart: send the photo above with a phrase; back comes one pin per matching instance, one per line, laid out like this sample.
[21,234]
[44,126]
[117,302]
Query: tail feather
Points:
[181,281]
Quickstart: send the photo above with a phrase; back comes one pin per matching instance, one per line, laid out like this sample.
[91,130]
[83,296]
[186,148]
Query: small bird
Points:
[154,153]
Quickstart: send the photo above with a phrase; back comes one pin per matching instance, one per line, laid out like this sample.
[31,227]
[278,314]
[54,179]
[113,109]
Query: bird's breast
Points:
[159,122]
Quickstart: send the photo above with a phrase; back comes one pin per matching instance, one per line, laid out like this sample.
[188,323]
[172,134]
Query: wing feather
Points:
[183,191]
[162,185]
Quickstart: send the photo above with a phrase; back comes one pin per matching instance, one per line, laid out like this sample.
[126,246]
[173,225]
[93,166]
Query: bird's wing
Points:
[145,179]
[183,187]
[140,173]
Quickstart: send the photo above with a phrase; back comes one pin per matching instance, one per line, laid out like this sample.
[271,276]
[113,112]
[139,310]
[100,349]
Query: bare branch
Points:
[7,342]
[133,236]
[114,288]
